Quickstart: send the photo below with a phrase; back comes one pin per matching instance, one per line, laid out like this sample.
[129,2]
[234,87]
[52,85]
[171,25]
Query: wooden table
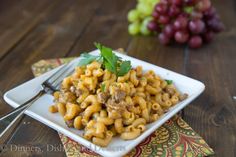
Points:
[34,30]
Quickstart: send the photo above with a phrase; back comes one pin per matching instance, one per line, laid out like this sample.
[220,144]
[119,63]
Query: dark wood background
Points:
[35,30]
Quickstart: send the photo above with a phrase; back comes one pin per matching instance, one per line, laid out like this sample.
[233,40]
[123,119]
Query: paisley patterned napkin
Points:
[175,138]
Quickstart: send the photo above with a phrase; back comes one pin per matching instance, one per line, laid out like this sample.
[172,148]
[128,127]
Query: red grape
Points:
[155,14]
[215,24]
[173,10]
[210,13]
[195,42]
[203,5]
[216,16]
[176,2]
[196,26]
[168,30]
[184,14]
[152,26]
[185,21]
[164,1]
[181,36]
[190,2]
[161,8]
[196,15]
[163,39]
[219,28]
[180,23]
[208,36]
[164,19]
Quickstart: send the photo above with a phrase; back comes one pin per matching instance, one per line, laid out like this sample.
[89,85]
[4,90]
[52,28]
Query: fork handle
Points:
[8,121]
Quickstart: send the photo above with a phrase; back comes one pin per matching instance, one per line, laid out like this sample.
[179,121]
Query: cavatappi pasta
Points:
[103,105]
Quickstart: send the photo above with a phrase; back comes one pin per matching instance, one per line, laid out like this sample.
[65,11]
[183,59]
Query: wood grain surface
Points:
[35,30]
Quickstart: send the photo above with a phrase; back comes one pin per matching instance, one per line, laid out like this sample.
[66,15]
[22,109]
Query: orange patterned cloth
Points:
[175,138]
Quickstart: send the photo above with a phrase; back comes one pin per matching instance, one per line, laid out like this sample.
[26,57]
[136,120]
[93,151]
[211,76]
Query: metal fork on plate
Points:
[49,86]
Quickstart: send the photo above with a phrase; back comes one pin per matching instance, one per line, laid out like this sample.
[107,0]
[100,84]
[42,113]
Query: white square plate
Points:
[118,147]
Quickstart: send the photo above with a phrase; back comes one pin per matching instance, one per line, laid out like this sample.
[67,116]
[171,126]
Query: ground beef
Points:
[117,106]
[171,91]
[119,95]
[103,97]
[78,92]
[183,97]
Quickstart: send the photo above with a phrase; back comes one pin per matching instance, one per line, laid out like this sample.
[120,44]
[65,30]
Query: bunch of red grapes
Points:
[185,21]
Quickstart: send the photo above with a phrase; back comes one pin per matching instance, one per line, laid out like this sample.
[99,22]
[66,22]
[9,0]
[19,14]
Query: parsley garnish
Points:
[169,81]
[125,66]
[86,59]
[109,60]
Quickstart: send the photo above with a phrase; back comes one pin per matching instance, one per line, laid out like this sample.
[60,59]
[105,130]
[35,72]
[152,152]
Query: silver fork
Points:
[50,85]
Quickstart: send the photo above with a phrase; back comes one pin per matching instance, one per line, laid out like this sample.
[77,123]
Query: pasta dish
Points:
[106,97]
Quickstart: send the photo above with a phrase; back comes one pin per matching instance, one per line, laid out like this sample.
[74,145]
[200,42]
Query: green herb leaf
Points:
[99,59]
[111,61]
[108,66]
[169,81]
[109,58]
[86,59]
[125,67]
[103,87]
